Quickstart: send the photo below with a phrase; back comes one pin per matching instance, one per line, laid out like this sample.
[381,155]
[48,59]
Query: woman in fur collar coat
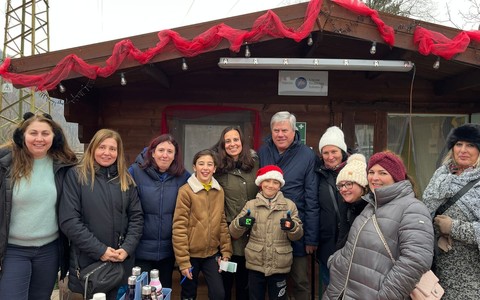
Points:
[457,263]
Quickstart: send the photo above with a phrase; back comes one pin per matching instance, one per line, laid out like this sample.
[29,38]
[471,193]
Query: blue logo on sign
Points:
[301,83]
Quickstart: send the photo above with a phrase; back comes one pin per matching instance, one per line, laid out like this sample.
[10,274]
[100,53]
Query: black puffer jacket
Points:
[92,219]
[59,170]
[334,227]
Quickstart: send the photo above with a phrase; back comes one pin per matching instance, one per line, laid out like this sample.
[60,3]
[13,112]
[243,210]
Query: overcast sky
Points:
[75,23]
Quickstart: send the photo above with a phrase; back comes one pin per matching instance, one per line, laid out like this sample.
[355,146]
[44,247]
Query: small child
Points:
[273,222]
[200,229]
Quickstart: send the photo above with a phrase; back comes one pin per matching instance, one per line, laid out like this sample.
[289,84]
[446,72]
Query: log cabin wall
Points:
[353,98]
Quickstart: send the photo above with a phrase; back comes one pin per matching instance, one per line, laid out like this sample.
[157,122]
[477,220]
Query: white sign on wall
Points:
[303,83]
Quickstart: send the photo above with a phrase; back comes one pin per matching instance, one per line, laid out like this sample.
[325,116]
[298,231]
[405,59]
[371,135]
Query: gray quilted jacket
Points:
[362,269]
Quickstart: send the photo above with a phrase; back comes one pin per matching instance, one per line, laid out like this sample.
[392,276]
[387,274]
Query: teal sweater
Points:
[34,217]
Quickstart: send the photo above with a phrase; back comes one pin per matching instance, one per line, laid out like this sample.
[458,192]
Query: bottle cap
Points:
[154,273]
[146,290]
[99,296]
[132,280]
[136,271]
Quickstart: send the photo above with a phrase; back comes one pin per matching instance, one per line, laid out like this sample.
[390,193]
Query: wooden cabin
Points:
[372,107]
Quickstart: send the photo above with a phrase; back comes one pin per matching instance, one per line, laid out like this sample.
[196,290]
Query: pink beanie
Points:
[391,163]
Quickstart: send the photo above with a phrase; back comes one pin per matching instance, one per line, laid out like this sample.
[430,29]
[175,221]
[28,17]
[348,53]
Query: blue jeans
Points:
[29,273]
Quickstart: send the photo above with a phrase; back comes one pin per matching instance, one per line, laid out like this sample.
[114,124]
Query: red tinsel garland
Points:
[269,24]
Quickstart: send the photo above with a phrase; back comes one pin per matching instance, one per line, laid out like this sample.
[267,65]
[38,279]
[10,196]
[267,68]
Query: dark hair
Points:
[177,167]
[245,160]
[205,152]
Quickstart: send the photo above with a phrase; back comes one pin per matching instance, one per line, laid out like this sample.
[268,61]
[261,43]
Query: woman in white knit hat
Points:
[333,210]
[352,179]
[352,184]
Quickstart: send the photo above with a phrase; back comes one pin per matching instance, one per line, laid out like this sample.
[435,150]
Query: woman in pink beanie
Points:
[364,268]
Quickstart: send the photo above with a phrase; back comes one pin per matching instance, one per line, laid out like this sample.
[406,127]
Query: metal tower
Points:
[26,33]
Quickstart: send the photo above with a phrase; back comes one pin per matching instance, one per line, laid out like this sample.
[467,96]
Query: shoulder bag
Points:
[428,288]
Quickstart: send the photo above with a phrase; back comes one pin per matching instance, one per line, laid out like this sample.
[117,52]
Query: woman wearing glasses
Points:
[352,184]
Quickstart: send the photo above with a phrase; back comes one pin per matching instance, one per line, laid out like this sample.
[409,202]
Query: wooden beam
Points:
[342,21]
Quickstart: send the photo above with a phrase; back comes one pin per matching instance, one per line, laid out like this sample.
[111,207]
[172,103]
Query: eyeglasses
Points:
[348,185]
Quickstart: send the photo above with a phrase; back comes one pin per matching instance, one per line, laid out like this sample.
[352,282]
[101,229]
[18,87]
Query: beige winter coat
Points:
[269,249]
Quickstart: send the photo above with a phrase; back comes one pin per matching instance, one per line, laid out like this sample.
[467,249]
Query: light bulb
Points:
[123,81]
[61,88]
[310,40]
[373,49]
[436,64]
[247,51]
[184,65]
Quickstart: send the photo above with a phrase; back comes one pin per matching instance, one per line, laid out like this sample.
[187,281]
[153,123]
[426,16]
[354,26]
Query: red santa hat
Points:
[270,172]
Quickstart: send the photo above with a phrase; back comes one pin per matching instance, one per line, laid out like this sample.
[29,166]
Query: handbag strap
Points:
[377,228]
[443,208]
[334,201]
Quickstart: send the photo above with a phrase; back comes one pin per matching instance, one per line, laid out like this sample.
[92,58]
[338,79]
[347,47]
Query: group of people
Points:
[377,238]
[267,212]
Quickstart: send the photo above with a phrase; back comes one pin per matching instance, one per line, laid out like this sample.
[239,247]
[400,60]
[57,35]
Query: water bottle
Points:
[146,292]
[155,282]
[130,295]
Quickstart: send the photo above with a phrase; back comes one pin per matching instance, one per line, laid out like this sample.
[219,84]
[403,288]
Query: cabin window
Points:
[421,145]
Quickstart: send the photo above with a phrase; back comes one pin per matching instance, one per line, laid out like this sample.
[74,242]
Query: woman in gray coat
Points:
[457,263]
[363,268]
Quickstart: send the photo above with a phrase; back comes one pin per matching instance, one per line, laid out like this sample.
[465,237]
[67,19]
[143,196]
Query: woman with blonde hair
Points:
[453,197]
[100,211]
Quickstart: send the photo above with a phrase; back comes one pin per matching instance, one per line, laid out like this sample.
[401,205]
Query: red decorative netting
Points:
[360,8]
[269,24]
[431,42]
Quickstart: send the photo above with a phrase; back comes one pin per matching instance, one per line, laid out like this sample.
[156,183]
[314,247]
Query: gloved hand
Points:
[287,223]
[246,221]
[444,224]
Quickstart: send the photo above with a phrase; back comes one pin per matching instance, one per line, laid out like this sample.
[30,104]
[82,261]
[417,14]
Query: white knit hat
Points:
[333,136]
[269,172]
[355,170]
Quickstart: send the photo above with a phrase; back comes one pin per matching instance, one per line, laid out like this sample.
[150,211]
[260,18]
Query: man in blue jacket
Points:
[284,149]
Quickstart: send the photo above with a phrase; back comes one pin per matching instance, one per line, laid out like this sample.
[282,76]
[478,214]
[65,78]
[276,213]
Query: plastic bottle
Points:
[155,281]
[146,292]
[130,295]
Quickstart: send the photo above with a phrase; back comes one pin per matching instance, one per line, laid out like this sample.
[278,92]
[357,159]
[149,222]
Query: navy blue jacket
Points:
[158,195]
[298,164]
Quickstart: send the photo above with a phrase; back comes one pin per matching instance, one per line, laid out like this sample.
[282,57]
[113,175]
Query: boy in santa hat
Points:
[272,222]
